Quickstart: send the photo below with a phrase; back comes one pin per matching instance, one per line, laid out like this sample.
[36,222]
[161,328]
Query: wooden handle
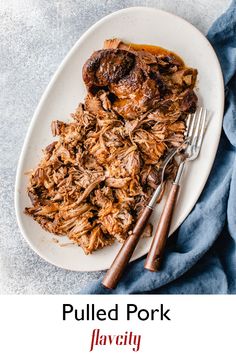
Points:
[115,272]
[155,254]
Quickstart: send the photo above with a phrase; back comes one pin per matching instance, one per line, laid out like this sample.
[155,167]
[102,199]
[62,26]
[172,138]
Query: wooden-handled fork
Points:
[194,134]
[115,272]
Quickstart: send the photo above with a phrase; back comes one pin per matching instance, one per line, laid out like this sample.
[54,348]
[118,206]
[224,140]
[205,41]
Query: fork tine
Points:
[191,126]
[198,134]
[188,124]
[203,123]
[197,127]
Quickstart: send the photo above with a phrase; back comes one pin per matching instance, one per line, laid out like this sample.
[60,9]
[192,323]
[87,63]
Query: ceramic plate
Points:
[138,25]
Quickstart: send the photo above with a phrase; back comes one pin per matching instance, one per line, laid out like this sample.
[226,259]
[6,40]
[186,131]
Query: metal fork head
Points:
[194,133]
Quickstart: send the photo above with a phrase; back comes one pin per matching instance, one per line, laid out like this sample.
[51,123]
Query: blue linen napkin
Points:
[201,256]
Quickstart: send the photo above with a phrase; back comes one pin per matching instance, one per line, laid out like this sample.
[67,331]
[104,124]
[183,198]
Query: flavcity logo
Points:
[126,339]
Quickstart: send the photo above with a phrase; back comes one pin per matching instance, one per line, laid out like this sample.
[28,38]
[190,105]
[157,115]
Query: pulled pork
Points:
[93,182]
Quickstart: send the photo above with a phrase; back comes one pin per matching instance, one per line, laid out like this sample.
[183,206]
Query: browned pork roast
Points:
[94,180]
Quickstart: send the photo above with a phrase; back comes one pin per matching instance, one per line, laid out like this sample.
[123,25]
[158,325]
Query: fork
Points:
[116,270]
[195,127]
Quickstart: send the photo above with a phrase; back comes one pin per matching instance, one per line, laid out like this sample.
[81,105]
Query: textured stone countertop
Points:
[34,38]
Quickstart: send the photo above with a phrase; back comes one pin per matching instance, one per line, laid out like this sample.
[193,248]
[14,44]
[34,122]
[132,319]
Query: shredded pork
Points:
[94,180]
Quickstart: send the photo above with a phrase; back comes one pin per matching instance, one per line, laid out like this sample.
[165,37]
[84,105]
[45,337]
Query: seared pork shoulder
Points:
[94,180]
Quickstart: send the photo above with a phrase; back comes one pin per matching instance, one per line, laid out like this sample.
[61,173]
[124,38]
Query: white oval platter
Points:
[138,25]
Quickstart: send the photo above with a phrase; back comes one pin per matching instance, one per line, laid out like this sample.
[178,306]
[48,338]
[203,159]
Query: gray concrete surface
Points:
[35,35]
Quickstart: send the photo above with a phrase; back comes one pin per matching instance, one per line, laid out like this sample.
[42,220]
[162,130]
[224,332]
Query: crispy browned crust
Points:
[107,66]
